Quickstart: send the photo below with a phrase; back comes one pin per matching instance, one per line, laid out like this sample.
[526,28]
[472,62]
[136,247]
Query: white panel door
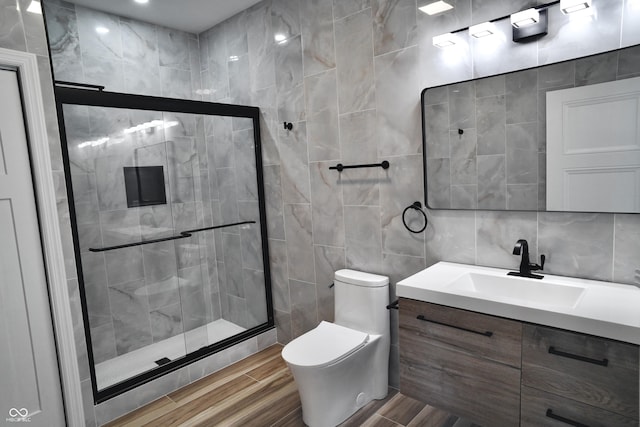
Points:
[593,147]
[29,380]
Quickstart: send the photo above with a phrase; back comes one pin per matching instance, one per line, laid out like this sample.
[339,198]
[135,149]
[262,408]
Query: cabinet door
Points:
[488,337]
[595,371]
[540,409]
[439,368]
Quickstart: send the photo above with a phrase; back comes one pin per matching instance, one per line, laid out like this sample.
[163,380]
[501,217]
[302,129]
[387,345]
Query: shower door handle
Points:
[182,235]
[144,242]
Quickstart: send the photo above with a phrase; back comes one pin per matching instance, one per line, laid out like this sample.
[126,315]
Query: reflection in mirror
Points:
[535,139]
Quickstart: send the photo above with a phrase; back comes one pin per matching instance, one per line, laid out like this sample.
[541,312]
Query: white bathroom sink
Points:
[518,290]
[593,307]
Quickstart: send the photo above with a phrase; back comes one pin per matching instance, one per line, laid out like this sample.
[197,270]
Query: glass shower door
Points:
[234,248]
[168,216]
[121,175]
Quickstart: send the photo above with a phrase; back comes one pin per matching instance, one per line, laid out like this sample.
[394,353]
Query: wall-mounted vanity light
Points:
[528,25]
[482,30]
[444,40]
[525,18]
[571,6]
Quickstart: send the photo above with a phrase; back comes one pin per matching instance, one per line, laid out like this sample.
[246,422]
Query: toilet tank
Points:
[361,301]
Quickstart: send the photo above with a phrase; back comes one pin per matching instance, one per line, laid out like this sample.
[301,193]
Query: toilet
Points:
[340,367]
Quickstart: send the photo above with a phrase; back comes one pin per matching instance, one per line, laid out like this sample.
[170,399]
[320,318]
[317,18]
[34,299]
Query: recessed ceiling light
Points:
[102,30]
[437,7]
[482,30]
[35,7]
[142,1]
[524,18]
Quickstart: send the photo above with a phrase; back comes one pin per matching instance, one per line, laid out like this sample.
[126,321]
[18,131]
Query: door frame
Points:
[26,65]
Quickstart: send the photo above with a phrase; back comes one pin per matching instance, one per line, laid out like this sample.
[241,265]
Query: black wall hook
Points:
[288,125]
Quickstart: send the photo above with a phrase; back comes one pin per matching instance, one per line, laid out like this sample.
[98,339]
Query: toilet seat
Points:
[324,345]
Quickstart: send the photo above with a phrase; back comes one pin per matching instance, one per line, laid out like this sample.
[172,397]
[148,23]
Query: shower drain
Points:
[162,361]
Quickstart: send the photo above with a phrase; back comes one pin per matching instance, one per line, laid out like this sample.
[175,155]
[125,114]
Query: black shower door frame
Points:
[90,95]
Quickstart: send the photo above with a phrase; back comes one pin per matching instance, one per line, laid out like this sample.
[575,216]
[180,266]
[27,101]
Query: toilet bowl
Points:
[340,367]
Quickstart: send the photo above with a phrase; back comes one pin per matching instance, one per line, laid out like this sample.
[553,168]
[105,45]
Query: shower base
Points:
[144,359]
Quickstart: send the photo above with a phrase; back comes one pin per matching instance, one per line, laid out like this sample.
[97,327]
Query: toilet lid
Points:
[323,345]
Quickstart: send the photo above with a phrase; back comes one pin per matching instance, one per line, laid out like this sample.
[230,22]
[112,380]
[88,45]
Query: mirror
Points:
[560,137]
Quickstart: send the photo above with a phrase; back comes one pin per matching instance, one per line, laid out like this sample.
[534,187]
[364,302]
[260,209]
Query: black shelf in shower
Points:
[182,235]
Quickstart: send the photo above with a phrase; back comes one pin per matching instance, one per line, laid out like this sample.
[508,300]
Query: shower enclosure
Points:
[168,216]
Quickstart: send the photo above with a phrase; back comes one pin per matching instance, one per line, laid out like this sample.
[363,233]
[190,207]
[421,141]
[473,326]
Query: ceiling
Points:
[193,16]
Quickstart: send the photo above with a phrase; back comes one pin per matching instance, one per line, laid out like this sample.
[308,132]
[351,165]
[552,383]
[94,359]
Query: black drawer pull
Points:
[486,334]
[550,414]
[603,362]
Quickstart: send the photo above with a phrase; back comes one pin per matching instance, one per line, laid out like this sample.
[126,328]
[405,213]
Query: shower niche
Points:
[144,185]
[168,217]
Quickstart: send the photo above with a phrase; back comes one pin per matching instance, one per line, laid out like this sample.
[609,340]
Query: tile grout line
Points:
[389,419]
[275,374]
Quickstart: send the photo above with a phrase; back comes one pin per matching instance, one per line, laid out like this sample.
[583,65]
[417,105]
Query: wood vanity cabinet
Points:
[464,362]
[500,372]
[597,377]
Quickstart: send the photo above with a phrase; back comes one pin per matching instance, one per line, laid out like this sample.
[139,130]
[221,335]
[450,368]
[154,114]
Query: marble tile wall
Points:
[209,164]
[133,56]
[324,82]
[348,74]
[600,246]
[142,295]
[486,139]
[136,296]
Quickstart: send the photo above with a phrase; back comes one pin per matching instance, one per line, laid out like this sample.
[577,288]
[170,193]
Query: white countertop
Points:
[605,309]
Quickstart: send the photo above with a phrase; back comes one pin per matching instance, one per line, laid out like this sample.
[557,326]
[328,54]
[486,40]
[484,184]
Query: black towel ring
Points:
[417,206]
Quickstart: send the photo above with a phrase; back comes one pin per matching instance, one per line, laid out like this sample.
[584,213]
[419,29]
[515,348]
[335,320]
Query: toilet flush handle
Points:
[331,285]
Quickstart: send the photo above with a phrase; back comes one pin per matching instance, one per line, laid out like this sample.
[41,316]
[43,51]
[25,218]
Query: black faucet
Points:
[526,267]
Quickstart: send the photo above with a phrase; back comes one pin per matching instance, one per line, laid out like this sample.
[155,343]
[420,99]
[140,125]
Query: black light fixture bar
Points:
[533,31]
[542,9]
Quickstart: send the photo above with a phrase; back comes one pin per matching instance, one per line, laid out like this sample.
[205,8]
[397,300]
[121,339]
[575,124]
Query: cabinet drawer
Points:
[478,389]
[595,371]
[540,409]
[478,334]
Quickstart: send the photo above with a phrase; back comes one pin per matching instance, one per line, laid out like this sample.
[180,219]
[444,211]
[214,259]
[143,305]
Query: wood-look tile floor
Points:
[260,391]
